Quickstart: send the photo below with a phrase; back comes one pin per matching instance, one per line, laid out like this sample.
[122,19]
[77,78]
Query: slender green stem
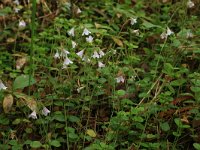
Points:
[32,40]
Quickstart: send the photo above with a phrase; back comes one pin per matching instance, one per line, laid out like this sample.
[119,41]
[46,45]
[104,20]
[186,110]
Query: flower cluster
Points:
[44,111]
[64,53]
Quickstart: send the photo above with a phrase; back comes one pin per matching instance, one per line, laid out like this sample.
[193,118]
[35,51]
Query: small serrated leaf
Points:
[7,103]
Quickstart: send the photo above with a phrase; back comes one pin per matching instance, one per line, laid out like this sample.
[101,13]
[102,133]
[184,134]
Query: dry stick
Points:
[151,89]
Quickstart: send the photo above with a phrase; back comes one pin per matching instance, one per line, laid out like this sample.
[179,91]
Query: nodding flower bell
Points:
[167,33]
[100,64]
[33,115]
[45,111]
[2,86]
[71,32]
[66,62]
[95,55]
[89,39]
[86,32]
[22,24]
[190,4]
[57,55]
[120,79]
[80,54]
[78,11]
[133,21]
[73,44]
[101,53]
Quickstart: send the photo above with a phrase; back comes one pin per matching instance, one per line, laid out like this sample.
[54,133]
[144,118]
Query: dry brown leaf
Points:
[10,40]
[7,103]
[97,25]
[28,100]
[118,41]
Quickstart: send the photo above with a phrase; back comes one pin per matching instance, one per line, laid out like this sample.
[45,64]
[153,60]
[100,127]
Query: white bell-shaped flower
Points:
[80,54]
[86,32]
[71,32]
[120,79]
[73,44]
[95,55]
[45,111]
[22,24]
[133,21]
[101,53]
[2,86]
[89,39]
[190,4]
[33,115]
[100,64]
[57,55]
[66,62]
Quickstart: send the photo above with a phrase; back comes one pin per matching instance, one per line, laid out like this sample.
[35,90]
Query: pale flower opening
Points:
[167,33]
[22,24]
[189,35]
[2,86]
[133,21]
[80,54]
[17,10]
[66,62]
[136,32]
[190,4]
[71,32]
[120,79]
[64,53]
[101,65]
[95,55]
[78,11]
[89,39]
[33,115]
[57,55]
[86,32]
[45,111]
[101,53]
[73,44]
[16,2]
[86,59]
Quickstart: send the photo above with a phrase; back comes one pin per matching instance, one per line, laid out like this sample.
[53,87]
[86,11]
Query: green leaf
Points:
[178,122]
[35,144]
[121,92]
[178,82]
[195,89]
[138,119]
[23,81]
[73,136]
[16,121]
[59,117]
[150,25]
[4,120]
[168,69]
[196,146]
[55,143]
[73,119]
[165,126]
